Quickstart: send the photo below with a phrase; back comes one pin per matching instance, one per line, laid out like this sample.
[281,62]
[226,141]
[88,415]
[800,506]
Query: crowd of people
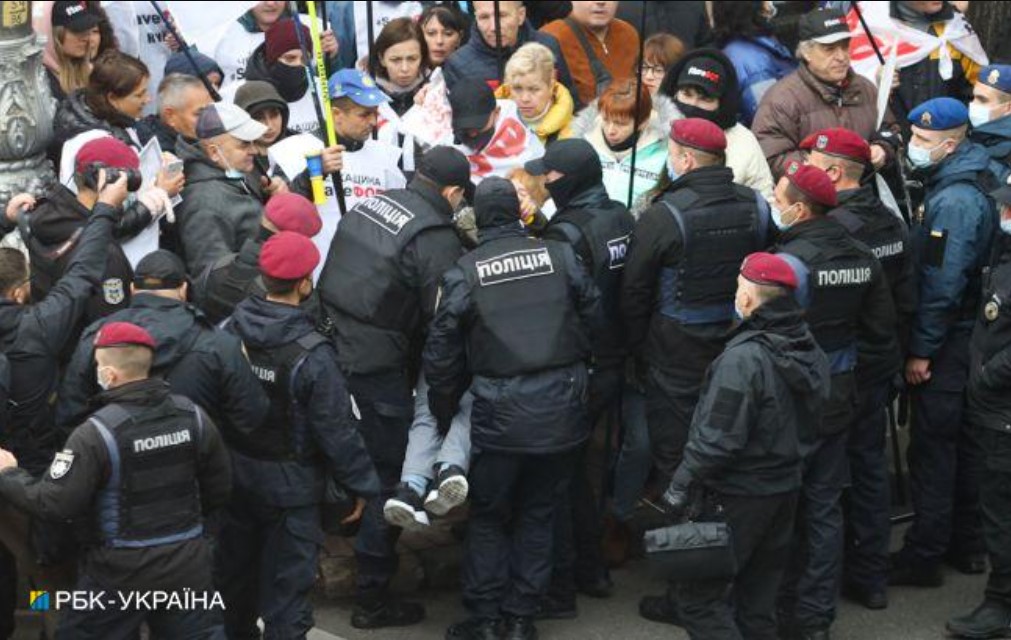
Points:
[261,306]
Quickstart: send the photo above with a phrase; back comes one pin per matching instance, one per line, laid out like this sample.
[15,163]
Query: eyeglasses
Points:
[650,69]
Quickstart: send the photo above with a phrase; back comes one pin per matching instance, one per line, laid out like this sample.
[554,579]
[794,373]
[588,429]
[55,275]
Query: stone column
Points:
[26,107]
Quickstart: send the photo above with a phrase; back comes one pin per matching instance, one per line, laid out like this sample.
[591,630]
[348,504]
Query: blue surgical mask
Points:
[737,311]
[102,383]
[777,217]
[671,173]
[920,157]
[230,172]
[1005,226]
[979,115]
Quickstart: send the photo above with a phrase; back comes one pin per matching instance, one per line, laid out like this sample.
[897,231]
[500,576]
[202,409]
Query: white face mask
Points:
[1005,226]
[102,383]
[777,217]
[920,157]
[230,172]
[979,115]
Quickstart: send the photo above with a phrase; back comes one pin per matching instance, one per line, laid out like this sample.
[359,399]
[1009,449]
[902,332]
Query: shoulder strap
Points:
[112,416]
[601,76]
[851,221]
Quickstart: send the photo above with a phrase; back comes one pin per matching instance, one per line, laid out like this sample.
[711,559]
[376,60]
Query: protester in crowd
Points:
[746,458]
[988,115]
[659,52]
[76,39]
[610,126]
[931,76]
[222,202]
[952,241]
[280,61]
[350,22]
[703,84]
[206,66]
[743,30]
[445,29]
[544,104]
[823,92]
[113,100]
[598,48]
[483,56]
[181,97]
[489,132]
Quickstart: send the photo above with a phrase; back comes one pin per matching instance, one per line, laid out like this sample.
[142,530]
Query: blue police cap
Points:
[939,114]
[997,76]
[357,85]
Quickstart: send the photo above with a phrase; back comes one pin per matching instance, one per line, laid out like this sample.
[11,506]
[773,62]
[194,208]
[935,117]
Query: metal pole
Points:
[638,103]
[500,63]
[186,52]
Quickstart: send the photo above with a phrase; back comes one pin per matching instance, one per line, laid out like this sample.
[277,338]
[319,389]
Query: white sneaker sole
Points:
[400,514]
[450,494]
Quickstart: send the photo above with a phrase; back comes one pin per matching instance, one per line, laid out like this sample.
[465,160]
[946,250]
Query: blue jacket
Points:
[995,138]
[322,424]
[759,63]
[478,59]
[952,244]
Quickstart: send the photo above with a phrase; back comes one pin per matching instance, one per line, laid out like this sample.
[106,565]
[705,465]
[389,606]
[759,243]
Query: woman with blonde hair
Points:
[544,104]
[78,35]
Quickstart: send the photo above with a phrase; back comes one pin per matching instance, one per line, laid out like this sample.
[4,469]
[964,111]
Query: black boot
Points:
[659,609]
[556,607]
[914,573]
[474,629]
[519,628]
[970,564]
[988,620]
[388,613]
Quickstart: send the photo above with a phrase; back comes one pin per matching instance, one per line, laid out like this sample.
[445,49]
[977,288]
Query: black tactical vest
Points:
[838,278]
[152,496]
[884,233]
[717,232]
[525,319]
[277,369]
[605,234]
[230,280]
[362,276]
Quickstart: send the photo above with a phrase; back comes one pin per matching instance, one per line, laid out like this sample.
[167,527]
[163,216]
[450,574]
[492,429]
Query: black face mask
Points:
[563,190]
[625,144]
[478,142]
[691,111]
[290,82]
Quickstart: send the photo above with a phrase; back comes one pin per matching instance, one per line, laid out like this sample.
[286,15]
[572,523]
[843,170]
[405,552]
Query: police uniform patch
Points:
[515,265]
[617,249]
[994,77]
[821,142]
[61,464]
[113,291]
[991,311]
[792,168]
[926,118]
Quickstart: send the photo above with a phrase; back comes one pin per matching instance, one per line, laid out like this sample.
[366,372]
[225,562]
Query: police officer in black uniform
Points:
[843,155]
[598,229]
[31,336]
[850,311]
[236,276]
[989,414]
[513,325]
[200,362]
[678,288]
[744,451]
[270,541]
[144,469]
[379,288]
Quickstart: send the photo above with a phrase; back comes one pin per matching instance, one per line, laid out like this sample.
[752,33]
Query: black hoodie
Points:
[759,400]
[726,115]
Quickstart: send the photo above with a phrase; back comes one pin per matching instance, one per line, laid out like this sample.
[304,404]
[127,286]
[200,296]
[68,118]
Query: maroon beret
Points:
[812,182]
[282,37]
[292,212]
[768,269]
[109,151]
[698,134]
[123,334]
[838,142]
[288,256]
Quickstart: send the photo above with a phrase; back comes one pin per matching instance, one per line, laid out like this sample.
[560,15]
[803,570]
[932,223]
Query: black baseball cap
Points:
[75,16]
[824,26]
[159,269]
[705,73]
[472,102]
[573,156]
[449,167]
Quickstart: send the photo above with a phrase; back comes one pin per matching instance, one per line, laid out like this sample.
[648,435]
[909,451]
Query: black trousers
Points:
[944,462]
[995,507]
[670,403]
[387,408]
[507,566]
[761,528]
[578,524]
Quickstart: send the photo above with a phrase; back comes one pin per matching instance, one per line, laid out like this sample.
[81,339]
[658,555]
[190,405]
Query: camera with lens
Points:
[133,177]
